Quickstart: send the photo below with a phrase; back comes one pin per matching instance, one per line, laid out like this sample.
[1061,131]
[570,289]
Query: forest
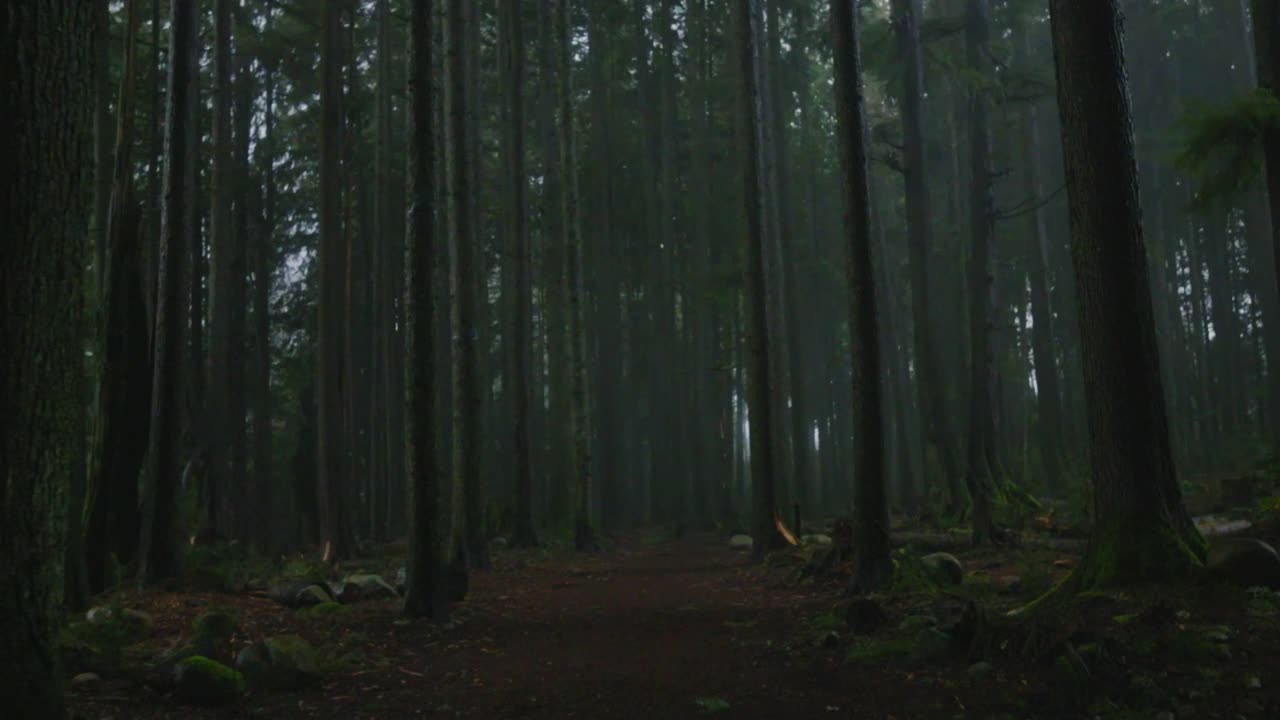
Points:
[881,359]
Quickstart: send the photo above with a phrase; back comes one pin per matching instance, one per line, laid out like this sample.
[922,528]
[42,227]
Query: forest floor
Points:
[659,627]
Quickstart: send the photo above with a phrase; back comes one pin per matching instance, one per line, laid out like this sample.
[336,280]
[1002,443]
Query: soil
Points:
[653,627]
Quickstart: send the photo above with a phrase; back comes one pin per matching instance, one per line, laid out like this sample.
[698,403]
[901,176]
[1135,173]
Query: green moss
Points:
[1129,553]
[207,682]
[216,624]
[328,609]
[215,669]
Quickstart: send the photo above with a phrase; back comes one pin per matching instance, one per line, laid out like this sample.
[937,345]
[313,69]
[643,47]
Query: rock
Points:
[1165,716]
[865,616]
[1246,562]
[1253,683]
[285,662]
[917,622]
[301,593]
[741,543]
[141,621]
[1186,712]
[402,579]
[371,587]
[201,681]
[85,681]
[216,625]
[819,540]
[980,669]
[945,568]
[930,644]
[98,615]
[1007,584]
[498,543]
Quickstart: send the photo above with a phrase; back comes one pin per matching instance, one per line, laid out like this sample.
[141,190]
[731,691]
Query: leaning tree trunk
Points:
[763,472]
[424,589]
[1142,529]
[873,566]
[45,62]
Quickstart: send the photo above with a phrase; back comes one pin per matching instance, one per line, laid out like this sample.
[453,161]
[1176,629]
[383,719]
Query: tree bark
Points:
[759,398]
[874,568]
[46,64]
[1142,529]
[980,470]
[424,590]
[332,476]
[159,552]
[1266,40]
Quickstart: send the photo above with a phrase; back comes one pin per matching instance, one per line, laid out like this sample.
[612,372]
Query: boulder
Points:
[742,543]
[944,568]
[498,543]
[301,593]
[370,587]
[139,620]
[285,662]
[817,539]
[201,681]
[85,681]
[1246,562]
[402,579]
[99,615]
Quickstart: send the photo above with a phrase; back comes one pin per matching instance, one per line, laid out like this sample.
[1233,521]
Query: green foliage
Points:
[711,704]
[98,646]
[911,575]
[1222,147]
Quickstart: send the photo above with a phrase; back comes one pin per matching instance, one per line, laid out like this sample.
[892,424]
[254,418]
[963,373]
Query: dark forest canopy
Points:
[332,279]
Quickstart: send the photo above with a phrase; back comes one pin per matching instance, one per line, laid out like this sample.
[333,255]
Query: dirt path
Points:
[654,628]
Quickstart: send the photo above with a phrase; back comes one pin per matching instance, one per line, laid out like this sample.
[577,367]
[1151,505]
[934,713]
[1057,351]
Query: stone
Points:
[498,543]
[85,681]
[285,662]
[312,595]
[817,539]
[402,579]
[371,587]
[1246,562]
[741,543]
[1253,683]
[201,681]
[945,568]
[99,615]
[300,593]
[1007,584]
[140,620]
[980,669]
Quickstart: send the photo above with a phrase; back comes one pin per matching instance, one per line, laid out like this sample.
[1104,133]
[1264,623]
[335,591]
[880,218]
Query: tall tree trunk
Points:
[332,477]
[759,398]
[124,393]
[1142,529]
[920,240]
[873,566]
[579,419]
[424,590]
[264,266]
[159,551]
[221,295]
[103,138]
[462,291]
[245,197]
[1048,395]
[1266,40]
[46,60]
[980,470]
[511,52]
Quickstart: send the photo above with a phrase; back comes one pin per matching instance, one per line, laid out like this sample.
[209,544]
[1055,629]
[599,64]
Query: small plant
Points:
[711,704]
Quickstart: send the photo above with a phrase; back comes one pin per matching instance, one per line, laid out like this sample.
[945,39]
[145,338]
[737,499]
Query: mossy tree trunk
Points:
[47,69]
[1142,529]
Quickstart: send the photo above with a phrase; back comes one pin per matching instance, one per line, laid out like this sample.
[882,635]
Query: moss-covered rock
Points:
[1245,562]
[369,587]
[944,568]
[285,662]
[201,681]
[217,624]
